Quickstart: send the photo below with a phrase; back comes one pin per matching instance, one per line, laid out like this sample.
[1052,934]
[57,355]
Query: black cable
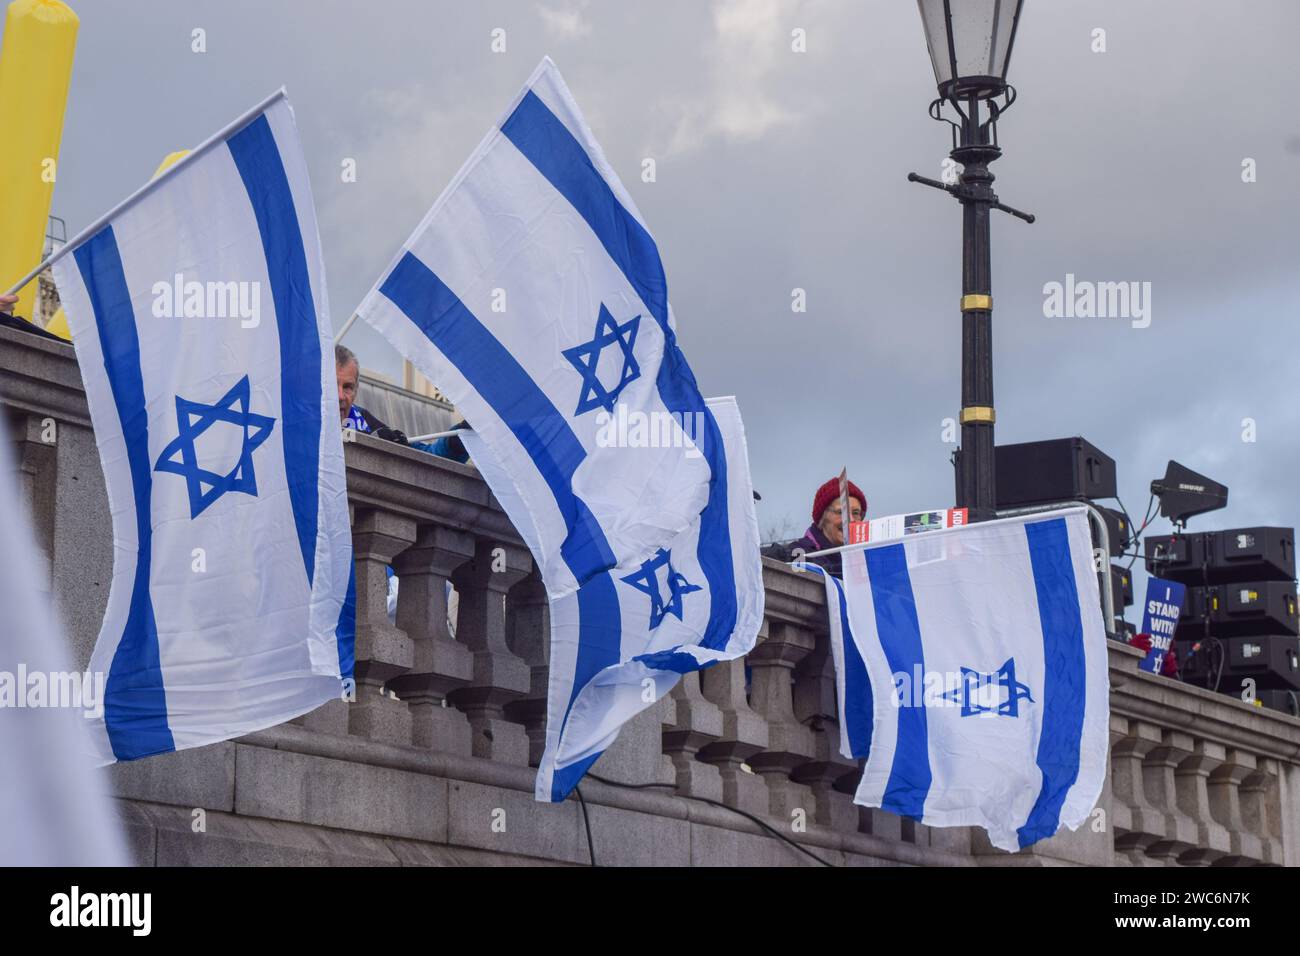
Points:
[1135,534]
[714,803]
[591,848]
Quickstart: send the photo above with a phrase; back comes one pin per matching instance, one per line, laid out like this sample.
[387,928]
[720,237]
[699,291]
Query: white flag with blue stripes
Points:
[972,675]
[622,641]
[532,294]
[199,318]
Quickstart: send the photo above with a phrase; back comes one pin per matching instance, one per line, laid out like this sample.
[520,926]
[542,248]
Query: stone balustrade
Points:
[431,760]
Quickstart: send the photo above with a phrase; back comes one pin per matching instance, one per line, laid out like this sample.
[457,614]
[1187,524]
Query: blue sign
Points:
[1159,618]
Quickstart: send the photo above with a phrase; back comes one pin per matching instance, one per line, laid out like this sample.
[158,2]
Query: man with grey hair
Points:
[348,372]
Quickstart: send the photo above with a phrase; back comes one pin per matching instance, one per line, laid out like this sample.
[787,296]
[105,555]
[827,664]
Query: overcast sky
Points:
[779,170]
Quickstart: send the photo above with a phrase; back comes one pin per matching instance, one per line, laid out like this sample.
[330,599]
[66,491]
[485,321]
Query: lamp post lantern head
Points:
[970,45]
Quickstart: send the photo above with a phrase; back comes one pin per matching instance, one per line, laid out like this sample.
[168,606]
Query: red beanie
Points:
[828,492]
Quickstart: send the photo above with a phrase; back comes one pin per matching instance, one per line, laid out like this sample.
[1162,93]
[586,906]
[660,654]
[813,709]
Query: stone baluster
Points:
[1136,822]
[440,664]
[528,635]
[1159,771]
[1261,809]
[790,744]
[816,705]
[499,677]
[1224,786]
[1191,781]
[744,733]
[383,651]
[695,723]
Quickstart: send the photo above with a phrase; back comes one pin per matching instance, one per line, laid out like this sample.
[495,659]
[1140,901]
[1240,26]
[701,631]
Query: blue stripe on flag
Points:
[345,634]
[258,159]
[135,699]
[859,707]
[502,382]
[564,779]
[900,637]
[547,143]
[1064,675]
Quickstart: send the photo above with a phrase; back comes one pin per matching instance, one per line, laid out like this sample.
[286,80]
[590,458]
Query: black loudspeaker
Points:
[1272,661]
[1197,660]
[1176,557]
[1197,608]
[1246,554]
[1286,701]
[1241,608]
[1218,557]
[1117,530]
[1121,587]
[1256,607]
[1042,472]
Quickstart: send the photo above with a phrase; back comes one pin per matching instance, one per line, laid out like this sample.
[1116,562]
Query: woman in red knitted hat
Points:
[827,529]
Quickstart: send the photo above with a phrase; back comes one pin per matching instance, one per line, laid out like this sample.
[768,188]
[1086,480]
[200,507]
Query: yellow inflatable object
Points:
[170,160]
[35,71]
[58,325]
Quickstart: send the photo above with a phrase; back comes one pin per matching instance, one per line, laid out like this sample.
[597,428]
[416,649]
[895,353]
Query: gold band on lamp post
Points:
[977,302]
[978,413]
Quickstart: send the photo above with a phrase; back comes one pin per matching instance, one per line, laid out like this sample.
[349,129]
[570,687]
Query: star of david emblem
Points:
[192,420]
[586,359]
[997,692]
[647,582]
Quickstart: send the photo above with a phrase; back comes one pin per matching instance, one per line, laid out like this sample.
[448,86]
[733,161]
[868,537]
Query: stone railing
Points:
[432,763]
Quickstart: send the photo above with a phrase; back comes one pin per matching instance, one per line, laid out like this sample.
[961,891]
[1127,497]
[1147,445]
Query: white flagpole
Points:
[148,187]
[430,437]
[344,331]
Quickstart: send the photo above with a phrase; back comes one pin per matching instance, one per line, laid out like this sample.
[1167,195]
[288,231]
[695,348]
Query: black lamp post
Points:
[970,46]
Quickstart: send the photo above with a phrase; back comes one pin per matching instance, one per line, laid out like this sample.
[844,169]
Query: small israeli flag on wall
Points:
[198,313]
[622,641]
[972,675]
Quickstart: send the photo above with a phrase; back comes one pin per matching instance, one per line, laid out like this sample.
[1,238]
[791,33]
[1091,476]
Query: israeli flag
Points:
[972,675]
[533,295]
[623,640]
[198,313]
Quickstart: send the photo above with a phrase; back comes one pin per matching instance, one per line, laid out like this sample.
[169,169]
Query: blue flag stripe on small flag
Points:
[1063,678]
[135,702]
[858,706]
[900,634]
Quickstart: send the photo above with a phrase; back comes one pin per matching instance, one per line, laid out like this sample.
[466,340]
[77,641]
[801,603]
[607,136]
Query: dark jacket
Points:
[17,322]
[363,421]
[813,540]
